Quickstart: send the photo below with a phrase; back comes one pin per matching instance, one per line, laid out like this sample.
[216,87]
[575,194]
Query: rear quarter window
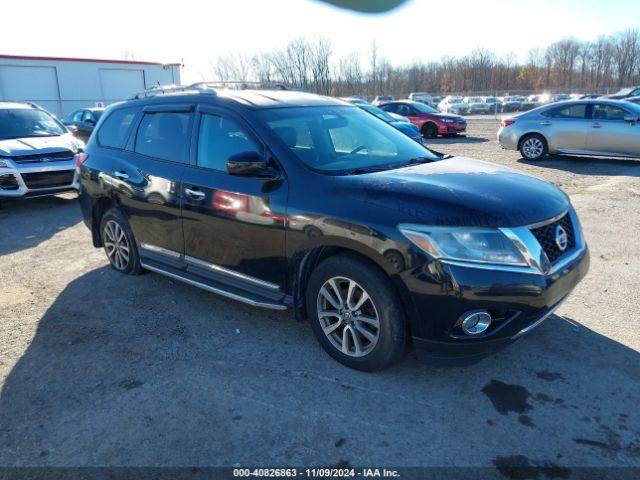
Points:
[115,129]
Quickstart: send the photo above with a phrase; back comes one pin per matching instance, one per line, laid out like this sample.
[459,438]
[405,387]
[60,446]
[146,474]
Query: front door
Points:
[609,132]
[232,225]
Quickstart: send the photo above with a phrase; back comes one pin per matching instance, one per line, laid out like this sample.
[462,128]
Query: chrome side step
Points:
[209,288]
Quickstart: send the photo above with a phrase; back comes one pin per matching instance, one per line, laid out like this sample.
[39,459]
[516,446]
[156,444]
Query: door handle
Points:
[595,125]
[121,174]
[195,194]
[545,122]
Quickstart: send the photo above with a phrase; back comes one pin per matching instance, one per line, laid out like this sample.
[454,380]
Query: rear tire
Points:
[119,244]
[355,314]
[533,147]
[429,130]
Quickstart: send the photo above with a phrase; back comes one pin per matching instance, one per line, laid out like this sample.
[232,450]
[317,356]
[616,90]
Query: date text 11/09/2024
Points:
[316,472]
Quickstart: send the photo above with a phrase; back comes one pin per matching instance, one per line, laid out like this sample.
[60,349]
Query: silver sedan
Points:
[596,127]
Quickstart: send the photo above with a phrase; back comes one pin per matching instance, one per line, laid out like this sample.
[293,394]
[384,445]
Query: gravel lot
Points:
[103,369]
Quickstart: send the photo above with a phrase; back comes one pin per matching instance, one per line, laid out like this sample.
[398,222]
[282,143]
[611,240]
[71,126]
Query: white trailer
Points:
[62,85]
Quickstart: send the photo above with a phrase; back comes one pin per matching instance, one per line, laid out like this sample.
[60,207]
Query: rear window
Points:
[571,111]
[164,135]
[114,131]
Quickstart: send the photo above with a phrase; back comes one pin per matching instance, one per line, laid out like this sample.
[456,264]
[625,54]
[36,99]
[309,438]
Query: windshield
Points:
[625,91]
[421,107]
[28,122]
[343,140]
[474,100]
[378,112]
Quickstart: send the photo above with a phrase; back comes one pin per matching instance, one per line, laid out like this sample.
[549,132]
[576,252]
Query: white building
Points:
[62,85]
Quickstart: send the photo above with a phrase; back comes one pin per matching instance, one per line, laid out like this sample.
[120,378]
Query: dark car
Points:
[624,93]
[635,100]
[82,122]
[408,128]
[288,200]
[429,120]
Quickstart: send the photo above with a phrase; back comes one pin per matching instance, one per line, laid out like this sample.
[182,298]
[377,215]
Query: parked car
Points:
[422,97]
[560,97]
[430,122]
[406,127]
[355,100]
[624,93]
[494,104]
[451,104]
[381,99]
[477,105]
[36,152]
[532,101]
[82,122]
[579,127]
[510,104]
[177,184]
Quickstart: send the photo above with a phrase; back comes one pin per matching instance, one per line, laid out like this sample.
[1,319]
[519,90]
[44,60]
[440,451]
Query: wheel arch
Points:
[101,205]
[307,261]
[533,132]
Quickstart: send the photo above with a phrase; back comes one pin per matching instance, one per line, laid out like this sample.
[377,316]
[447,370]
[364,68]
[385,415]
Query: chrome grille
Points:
[546,236]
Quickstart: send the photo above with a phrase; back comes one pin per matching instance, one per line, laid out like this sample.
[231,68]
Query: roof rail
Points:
[167,89]
[241,84]
[205,87]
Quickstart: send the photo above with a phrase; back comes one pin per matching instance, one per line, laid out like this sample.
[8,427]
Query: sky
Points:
[196,32]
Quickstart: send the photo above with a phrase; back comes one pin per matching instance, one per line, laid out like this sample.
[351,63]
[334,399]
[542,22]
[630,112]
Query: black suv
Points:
[283,199]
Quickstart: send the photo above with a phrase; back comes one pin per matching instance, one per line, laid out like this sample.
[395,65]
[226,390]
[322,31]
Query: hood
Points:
[448,115]
[31,145]
[458,191]
[406,128]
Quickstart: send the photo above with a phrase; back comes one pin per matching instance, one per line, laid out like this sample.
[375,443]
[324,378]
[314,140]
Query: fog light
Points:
[474,323]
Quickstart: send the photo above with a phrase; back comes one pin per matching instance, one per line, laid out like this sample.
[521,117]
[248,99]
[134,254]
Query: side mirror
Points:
[631,119]
[250,164]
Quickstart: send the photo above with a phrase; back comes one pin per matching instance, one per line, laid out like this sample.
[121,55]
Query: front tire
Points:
[429,130]
[119,243]
[533,147]
[355,314]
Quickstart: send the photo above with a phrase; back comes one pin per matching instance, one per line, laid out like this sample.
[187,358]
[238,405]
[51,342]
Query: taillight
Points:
[507,122]
[80,159]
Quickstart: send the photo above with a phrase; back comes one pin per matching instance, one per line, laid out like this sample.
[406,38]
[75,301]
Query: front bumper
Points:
[37,178]
[452,128]
[518,302]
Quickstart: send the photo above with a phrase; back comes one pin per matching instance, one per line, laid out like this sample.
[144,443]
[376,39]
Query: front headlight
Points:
[466,244]
[4,164]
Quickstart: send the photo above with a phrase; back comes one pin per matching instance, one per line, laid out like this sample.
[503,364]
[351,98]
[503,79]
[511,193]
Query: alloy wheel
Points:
[116,245]
[348,316]
[532,148]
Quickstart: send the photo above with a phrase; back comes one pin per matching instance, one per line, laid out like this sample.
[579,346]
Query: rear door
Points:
[610,133]
[147,178]
[566,127]
[232,225]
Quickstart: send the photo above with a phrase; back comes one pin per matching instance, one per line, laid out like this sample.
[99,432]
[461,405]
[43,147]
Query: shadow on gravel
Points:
[589,165]
[27,223]
[455,139]
[142,371]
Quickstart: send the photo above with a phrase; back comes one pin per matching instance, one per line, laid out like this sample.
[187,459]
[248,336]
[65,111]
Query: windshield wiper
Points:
[362,170]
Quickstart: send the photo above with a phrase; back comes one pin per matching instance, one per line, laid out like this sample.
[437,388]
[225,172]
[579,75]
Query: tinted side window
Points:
[219,139]
[114,130]
[608,112]
[77,116]
[571,111]
[404,109]
[164,135]
[88,116]
[392,107]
